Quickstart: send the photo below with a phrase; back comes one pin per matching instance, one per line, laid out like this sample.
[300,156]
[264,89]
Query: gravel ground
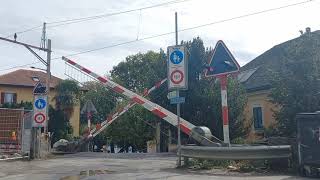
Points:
[117,166]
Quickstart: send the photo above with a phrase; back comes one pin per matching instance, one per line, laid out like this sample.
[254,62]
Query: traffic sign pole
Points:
[89,115]
[39,120]
[178,105]
[221,64]
[224,103]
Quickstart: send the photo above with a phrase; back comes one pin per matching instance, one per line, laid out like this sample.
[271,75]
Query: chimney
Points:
[308,30]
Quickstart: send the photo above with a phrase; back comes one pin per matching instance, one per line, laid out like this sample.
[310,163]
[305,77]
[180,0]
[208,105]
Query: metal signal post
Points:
[178,105]
[221,64]
[224,103]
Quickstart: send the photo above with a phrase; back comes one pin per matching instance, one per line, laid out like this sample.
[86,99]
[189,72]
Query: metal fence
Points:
[11,130]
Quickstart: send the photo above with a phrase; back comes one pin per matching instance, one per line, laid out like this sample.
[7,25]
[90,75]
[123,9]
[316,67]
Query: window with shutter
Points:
[14,98]
[2,97]
[8,98]
[257,118]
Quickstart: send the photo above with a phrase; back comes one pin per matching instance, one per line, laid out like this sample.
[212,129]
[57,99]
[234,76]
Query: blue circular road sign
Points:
[176,57]
[40,103]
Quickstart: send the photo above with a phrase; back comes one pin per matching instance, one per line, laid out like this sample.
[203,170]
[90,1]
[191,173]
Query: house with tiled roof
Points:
[17,87]
[256,76]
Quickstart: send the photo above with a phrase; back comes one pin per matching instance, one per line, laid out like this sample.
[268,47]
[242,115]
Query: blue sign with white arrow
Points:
[222,61]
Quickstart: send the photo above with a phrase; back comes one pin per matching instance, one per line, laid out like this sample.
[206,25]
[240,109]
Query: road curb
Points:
[14,159]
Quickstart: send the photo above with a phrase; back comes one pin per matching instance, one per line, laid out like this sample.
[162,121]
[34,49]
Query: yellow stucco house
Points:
[256,76]
[18,86]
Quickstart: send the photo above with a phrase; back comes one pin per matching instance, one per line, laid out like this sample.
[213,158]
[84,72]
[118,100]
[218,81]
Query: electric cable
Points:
[89,18]
[169,33]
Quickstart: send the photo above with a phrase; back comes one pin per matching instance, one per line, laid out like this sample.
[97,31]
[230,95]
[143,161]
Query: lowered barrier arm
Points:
[159,111]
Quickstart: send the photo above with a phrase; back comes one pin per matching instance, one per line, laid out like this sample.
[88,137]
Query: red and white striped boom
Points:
[113,116]
[161,112]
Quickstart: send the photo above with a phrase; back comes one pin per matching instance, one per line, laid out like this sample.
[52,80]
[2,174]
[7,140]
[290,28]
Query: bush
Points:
[209,164]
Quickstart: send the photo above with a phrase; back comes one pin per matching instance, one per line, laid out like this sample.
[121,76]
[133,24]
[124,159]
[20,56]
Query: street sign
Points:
[177,68]
[177,100]
[40,88]
[39,111]
[40,103]
[172,94]
[222,61]
[88,107]
[39,118]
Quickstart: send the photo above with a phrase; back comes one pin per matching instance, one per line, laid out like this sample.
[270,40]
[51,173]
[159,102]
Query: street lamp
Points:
[32,67]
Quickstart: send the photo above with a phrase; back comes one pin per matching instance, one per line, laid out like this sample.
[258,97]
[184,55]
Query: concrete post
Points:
[158,134]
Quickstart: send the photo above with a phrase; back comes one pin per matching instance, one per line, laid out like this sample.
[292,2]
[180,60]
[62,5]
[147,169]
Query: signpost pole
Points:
[39,120]
[48,82]
[89,127]
[221,64]
[89,121]
[224,103]
[32,143]
[178,105]
[89,109]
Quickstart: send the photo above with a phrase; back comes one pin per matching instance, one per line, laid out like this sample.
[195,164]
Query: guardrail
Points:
[237,152]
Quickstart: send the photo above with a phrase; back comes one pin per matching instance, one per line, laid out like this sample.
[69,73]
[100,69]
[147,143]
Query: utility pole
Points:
[178,105]
[35,132]
[48,90]
[43,37]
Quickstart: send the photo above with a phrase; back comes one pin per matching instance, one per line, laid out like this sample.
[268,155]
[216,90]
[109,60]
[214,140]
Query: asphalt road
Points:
[91,166]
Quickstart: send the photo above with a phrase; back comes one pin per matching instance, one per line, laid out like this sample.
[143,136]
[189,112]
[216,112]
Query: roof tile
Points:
[24,77]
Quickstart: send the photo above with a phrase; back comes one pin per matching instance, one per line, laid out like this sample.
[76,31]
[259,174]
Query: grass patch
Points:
[208,164]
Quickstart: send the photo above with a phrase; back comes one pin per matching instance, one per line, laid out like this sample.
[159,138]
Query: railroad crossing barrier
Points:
[157,110]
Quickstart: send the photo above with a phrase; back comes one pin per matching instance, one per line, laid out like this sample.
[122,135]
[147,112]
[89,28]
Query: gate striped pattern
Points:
[150,106]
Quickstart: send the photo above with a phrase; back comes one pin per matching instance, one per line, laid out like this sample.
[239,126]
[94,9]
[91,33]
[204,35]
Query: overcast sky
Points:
[246,37]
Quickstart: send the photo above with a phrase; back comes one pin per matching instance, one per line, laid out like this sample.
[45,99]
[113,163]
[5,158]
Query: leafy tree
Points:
[203,99]
[132,129]
[237,100]
[60,128]
[67,96]
[104,101]
[140,71]
[137,73]
[297,82]
[68,93]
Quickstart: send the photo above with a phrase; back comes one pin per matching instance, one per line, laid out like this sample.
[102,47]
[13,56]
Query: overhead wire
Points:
[89,18]
[190,28]
[181,30]
[26,30]
[78,20]
[20,66]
